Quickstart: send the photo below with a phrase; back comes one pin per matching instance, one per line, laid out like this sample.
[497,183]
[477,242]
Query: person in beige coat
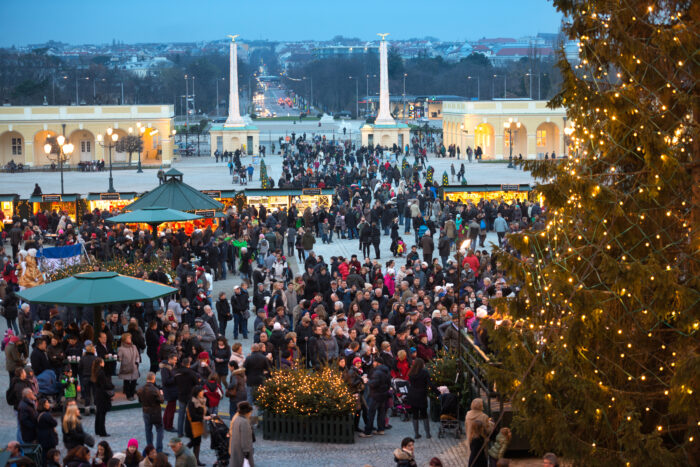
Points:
[241,436]
[477,413]
[129,359]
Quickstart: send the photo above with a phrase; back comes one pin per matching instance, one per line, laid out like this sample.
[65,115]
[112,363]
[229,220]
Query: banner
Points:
[59,257]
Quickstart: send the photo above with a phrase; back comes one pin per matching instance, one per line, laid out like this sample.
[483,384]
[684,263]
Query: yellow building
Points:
[536,129]
[23,132]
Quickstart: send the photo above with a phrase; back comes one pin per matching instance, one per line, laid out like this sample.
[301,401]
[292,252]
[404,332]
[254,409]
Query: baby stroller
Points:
[219,440]
[399,391]
[50,388]
[449,420]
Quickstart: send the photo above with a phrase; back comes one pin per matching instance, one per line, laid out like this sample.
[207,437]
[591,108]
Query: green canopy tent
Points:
[96,289]
[175,194]
[153,216]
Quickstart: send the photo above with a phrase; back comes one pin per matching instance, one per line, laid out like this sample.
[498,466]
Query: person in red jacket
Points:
[213,393]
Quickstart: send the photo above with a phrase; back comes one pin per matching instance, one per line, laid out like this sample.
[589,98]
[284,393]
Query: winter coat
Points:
[237,380]
[224,354]
[427,244]
[379,383]
[241,442]
[185,379]
[150,398]
[129,359]
[256,366]
[404,458]
[103,400]
[418,385]
[27,417]
[13,358]
[46,434]
[167,379]
[74,437]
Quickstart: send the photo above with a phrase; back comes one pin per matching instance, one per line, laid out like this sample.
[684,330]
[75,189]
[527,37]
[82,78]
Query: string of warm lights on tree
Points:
[600,352]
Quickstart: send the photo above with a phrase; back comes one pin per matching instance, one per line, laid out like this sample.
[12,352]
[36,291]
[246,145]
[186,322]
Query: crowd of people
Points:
[376,319]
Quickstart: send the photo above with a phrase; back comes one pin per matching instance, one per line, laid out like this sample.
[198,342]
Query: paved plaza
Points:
[204,173]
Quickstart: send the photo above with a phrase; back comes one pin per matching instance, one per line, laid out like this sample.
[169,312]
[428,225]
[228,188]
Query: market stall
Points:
[475,193]
[67,203]
[285,198]
[225,197]
[110,201]
[8,205]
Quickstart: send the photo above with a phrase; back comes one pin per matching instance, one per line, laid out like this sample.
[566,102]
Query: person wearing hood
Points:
[236,388]
[404,456]
[379,385]
[477,413]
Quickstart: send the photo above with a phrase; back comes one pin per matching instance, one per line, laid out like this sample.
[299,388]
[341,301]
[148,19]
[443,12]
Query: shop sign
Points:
[311,191]
[51,198]
[510,187]
[206,213]
[212,193]
[110,196]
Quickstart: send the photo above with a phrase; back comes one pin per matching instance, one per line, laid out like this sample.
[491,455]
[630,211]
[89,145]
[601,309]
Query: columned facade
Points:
[482,124]
[24,130]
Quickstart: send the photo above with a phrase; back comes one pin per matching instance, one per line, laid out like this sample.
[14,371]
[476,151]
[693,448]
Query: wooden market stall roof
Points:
[9,197]
[289,191]
[96,196]
[50,198]
[175,194]
[484,188]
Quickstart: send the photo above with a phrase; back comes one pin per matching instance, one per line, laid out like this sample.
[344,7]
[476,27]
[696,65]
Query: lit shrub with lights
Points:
[305,405]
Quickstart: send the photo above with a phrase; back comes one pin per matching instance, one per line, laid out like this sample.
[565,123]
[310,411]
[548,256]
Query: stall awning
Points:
[482,188]
[9,197]
[110,196]
[175,194]
[290,192]
[51,198]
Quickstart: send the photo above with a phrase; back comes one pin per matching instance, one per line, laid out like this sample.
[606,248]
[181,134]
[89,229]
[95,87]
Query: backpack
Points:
[11,396]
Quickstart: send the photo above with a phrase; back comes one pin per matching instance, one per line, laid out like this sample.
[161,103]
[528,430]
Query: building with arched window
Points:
[24,130]
[536,130]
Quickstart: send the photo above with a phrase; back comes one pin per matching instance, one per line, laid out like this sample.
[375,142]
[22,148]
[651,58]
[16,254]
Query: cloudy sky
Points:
[100,21]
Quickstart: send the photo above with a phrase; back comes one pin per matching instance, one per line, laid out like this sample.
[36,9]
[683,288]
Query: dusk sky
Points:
[88,21]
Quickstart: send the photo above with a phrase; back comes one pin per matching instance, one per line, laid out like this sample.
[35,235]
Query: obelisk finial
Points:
[383,35]
[233,38]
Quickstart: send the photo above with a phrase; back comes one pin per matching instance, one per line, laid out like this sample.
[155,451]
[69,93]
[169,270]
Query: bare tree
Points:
[130,144]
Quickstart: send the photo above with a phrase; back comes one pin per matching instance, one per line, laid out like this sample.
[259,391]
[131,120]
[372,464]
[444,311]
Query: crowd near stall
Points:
[378,327]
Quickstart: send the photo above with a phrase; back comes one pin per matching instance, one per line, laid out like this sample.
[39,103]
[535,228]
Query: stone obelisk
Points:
[234,111]
[384,114]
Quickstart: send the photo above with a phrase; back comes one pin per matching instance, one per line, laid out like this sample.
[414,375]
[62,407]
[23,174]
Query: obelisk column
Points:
[234,113]
[384,114]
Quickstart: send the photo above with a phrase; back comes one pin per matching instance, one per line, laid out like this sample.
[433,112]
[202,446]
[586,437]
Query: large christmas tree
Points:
[600,358]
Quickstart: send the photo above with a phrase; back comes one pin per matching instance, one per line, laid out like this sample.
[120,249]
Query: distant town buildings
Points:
[149,59]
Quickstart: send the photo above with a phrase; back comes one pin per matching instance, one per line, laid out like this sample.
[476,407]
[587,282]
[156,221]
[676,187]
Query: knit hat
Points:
[133,442]
[87,343]
[277,327]
[481,312]
[203,356]
[356,360]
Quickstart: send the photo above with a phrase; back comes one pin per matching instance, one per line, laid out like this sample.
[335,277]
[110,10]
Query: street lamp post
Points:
[404,96]
[110,141]
[140,130]
[478,87]
[357,96]
[65,149]
[217,94]
[509,128]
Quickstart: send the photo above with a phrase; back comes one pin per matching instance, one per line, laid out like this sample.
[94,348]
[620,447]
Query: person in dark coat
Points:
[151,397]
[103,390]
[223,312]
[27,416]
[152,345]
[375,236]
[185,379]
[257,366]
[39,358]
[167,379]
[418,384]
[46,434]
[379,385]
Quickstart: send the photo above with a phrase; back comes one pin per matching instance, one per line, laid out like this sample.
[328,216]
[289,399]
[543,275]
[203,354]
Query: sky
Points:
[25,22]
